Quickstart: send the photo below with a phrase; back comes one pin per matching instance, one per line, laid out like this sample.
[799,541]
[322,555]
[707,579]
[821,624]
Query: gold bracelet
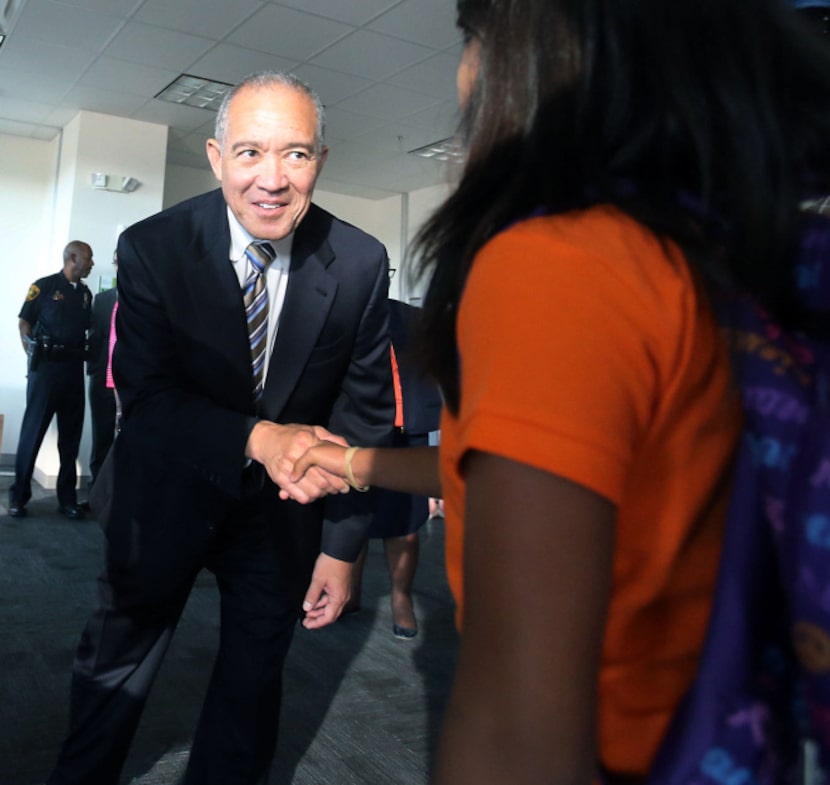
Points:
[349,475]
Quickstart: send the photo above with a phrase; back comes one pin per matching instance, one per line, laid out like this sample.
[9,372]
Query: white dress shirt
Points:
[276,275]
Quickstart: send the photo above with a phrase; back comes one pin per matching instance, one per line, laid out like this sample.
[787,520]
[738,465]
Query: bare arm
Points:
[406,469]
[538,558]
[25,333]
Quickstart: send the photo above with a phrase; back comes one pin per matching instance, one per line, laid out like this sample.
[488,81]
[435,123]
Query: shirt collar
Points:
[241,238]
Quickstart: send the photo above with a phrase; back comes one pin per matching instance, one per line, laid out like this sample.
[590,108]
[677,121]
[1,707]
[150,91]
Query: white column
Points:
[119,148]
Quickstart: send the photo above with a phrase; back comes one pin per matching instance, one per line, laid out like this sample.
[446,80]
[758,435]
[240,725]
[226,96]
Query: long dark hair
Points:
[705,120]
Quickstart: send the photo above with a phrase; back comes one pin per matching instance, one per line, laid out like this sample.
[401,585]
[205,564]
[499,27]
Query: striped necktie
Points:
[255,297]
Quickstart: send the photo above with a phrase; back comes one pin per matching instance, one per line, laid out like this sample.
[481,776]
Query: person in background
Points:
[53,324]
[399,516]
[243,314]
[621,181]
[110,381]
[101,396]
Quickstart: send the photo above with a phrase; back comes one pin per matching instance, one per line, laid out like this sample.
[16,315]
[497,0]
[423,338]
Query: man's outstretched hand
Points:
[277,447]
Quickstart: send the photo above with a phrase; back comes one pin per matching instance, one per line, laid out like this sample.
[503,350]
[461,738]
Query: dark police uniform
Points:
[59,314]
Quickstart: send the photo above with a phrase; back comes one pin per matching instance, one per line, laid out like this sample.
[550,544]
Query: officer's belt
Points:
[59,351]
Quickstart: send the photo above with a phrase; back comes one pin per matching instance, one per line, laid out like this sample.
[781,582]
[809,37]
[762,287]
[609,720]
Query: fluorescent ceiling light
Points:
[448,149]
[195,91]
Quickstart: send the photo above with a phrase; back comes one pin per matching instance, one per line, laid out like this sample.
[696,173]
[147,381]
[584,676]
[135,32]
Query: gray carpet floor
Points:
[360,707]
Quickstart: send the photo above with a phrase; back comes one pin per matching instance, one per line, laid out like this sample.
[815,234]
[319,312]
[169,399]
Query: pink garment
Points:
[110,382]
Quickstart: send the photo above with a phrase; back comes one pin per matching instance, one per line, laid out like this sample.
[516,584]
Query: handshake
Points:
[305,461]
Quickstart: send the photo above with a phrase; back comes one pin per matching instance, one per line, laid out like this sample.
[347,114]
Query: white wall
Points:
[421,205]
[34,221]
[182,182]
[380,218]
[118,147]
[27,194]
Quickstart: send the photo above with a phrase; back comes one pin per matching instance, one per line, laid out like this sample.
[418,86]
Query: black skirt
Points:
[399,514]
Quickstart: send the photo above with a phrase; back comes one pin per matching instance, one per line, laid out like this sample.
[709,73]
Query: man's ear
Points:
[214,154]
[324,153]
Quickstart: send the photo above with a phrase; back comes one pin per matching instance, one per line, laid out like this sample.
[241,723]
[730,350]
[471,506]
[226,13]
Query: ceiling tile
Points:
[435,77]
[60,116]
[371,55]
[390,103]
[394,139]
[386,89]
[230,63]
[345,125]
[352,158]
[122,8]
[178,115]
[211,20]
[155,46]
[289,32]
[103,101]
[133,78]
[193,144]
[353,12]
[183,158]
[352,188]
[21,56]
[428,23]
[25,110]
[73,28]
[441,119]
[331,86]
[414,171]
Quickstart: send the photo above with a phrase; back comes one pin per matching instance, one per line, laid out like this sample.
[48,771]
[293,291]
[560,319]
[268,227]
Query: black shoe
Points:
[71,511]
[17,510]
[404,633]
[84,506]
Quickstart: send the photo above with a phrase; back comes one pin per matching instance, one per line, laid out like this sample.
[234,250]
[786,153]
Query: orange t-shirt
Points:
[587,351]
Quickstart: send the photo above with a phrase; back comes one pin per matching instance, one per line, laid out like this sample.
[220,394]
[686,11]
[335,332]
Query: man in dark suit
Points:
[201,453]
[101,397]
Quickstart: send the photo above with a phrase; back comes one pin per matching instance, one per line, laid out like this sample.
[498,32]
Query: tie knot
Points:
[260,254]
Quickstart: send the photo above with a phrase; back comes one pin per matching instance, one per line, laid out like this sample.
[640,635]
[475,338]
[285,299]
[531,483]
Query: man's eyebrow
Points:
[302,145]
[244,145]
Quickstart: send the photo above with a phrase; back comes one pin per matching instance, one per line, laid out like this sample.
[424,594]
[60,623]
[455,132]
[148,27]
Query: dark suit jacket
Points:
[182,369]
[98,337]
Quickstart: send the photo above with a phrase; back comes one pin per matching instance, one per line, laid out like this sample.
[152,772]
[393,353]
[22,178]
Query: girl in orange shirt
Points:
[627,161]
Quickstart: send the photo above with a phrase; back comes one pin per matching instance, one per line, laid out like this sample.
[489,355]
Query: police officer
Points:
[53,325]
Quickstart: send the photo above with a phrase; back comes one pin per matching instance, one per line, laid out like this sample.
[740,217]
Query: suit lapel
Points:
[216,286]
[308,300]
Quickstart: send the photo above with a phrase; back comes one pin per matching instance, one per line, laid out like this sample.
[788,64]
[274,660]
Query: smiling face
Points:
[270,158]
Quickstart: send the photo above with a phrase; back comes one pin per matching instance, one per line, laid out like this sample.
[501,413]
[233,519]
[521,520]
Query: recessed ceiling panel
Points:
[288,32]
[371,55]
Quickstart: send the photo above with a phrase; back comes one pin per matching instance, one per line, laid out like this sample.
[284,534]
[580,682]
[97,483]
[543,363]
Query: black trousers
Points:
[56,388]
[102,414]
[132,625]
